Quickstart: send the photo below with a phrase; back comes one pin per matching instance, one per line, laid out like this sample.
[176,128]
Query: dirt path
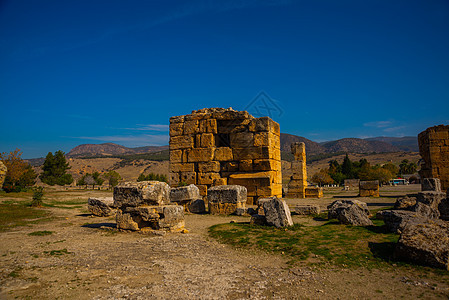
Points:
[99,263]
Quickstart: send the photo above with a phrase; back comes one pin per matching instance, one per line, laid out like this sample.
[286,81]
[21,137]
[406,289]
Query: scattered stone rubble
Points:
[226,199]
[276,213]
[431,184]
[369,188]
[145,206]
[101,207]
[434,150]
[217,146]
[351,212]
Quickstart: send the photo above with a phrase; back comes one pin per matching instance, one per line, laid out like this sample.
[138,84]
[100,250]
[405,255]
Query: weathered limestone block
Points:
[197,206]
[220,181]
[396,220]
[264,124]
[173,179]
[177,119]
[175,156]
[101,207]
[242,139]
[352,183]
[427,203]
[246,165]
[229,166]
[188,177]
[207,178]
[191,127]
[167,217]
[225,199]
[211,166]
[352,212]
[181,142]
[203,189]
[277,213]
[431,184]
[406,202]
[181,167]
[425,242]
[369,188]
[307,209]
[200,154]
[254,182]
[314,192]
[208,126]
[3,170]
[205,140]
[176,129]
[223,154]
[141,193]
[184,193]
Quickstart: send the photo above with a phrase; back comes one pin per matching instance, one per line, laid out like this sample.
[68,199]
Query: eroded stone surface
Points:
[431,184]
[352,212]
[425,242]
[307,209]
[369,188]
[141,193]
[277,213]
[396,220]
[101,207]
[167,217]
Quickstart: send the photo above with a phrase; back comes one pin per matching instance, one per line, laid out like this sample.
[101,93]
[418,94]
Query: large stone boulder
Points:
[101,207]
[3,170]
[225,199]
[427,204]
[406,202]
[431,184]
[141,193]
[277,213]
[425,242]
[167,217]
[352,212]
[396,220]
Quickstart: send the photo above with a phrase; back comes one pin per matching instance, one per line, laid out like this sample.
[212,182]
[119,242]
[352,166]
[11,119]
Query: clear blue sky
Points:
[74,72]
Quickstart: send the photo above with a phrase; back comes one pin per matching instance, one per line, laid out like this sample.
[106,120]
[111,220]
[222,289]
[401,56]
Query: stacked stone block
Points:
[434,150]
[145,206]
[226,199]
[217,146]
[188,197]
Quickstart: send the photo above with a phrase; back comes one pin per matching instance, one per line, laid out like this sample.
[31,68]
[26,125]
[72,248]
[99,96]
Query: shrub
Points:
[38,194]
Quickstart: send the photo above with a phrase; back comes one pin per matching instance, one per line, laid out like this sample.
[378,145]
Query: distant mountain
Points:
[354,145]
[406,143]
[311,146]
[108,149]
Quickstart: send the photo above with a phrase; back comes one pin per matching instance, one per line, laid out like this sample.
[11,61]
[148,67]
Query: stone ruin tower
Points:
[217,146]
[298,183]
[434,150]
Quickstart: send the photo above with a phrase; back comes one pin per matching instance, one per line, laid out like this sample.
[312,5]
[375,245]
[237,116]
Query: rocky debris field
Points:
[77,256]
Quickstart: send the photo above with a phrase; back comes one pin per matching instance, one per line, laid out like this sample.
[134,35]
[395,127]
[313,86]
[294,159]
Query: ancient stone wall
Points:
[434,150]
[217,146]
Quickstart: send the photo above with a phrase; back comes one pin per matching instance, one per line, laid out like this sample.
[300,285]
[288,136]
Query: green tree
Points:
[322,177]
[55,169]
[347,168]
[152,176]
[20,174]
[406,167]
[113,178]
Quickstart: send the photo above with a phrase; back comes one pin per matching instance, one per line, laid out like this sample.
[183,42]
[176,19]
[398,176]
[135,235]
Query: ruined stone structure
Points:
[145,206]
[217,146]
[369,188]
[297,187]
[434,150]
[225,200]
[3,171]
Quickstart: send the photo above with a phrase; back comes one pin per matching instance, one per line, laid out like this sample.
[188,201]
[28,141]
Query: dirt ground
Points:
[100,263]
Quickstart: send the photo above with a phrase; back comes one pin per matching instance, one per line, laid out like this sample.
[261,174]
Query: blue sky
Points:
[74,72]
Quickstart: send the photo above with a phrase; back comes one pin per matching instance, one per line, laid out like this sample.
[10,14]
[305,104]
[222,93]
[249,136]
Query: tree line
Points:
[336,173]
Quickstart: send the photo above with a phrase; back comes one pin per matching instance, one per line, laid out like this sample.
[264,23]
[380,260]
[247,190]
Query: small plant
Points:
[57,252]
[183,183]
[38,194]
[41,233]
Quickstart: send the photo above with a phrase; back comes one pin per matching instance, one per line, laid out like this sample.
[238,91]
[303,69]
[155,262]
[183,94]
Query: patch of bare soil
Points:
[85,258]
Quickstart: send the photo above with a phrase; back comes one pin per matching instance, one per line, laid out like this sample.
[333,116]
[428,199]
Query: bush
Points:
[38,194]
[152,176]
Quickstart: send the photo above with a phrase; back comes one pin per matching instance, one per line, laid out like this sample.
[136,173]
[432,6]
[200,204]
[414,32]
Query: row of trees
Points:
[337,173]
[152,176]
[96,178]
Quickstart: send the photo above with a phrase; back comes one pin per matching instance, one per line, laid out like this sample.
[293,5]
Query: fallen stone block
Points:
[425,242]
[352,212]
[168,217]
[141,193]
[258,220]
[197,206]
[396,220]
[245,211]
[184,193]
[277,213]
[307,209]
[101,207]
[427,204]
[431,184]
[225,199]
